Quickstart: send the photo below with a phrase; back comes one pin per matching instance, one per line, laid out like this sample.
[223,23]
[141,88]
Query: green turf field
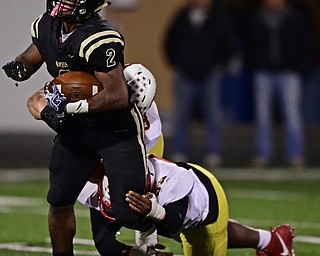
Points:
[258,198]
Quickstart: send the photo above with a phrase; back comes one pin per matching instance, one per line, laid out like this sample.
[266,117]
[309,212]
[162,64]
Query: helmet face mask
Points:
[74,10]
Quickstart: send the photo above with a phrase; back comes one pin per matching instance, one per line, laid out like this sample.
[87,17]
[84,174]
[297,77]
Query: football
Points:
[77,85]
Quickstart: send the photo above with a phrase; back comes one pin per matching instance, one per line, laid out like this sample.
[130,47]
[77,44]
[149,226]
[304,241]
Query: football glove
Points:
[53,118]
[16,70]
[55,99]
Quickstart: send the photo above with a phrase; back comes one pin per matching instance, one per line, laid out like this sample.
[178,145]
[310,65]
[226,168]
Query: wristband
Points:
[157,211]
[78,107]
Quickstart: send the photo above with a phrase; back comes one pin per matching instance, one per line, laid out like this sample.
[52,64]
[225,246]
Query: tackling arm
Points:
[168,219]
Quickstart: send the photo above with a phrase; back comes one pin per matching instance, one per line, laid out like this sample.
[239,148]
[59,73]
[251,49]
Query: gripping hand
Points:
[55,99]
[53,118]
[16,70]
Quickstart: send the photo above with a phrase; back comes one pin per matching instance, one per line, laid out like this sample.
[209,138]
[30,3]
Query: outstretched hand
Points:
[16,70]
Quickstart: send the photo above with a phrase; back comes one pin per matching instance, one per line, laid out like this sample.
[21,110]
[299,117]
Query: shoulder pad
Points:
[35,27]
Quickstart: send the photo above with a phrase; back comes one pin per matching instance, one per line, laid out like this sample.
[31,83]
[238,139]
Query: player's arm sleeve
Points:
[175,215]
[103,50]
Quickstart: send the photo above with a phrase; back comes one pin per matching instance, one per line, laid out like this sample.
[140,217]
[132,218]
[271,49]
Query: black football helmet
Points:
[75,10]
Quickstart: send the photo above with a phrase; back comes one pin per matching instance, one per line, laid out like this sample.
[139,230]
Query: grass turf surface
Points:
[260,199]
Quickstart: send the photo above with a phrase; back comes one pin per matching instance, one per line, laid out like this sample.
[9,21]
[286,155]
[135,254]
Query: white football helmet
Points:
[142,84]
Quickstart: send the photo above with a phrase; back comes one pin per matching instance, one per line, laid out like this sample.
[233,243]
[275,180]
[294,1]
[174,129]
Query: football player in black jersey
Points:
[71,36]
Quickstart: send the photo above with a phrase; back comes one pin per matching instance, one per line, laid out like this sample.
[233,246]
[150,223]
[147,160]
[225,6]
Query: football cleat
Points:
[281,242]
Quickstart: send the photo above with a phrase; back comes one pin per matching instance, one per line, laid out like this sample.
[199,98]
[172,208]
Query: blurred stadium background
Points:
[25,144]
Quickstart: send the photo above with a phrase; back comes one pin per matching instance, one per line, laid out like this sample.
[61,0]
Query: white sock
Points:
[264,239]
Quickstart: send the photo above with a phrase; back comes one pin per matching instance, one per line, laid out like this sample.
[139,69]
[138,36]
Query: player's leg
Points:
[124,158]
[211,239]
[208,240]
[267,242]
[124,163]
[104,235]
[241,236]
[70,167]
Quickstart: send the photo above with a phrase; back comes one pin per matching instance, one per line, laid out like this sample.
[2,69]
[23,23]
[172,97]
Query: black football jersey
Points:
[94,46]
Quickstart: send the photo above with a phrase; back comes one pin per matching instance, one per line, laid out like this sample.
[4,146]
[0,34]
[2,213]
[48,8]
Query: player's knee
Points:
[59,197]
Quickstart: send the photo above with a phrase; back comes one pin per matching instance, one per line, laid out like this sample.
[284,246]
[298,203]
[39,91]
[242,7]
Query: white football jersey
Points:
[174,183]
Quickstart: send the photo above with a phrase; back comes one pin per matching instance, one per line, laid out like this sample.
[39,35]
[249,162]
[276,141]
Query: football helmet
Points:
[142,85]
[75,10]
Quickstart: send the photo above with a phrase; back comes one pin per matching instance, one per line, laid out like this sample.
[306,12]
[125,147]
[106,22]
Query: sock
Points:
[264,239]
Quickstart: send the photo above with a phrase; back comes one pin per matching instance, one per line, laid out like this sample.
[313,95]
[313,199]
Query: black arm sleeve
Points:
[175,214]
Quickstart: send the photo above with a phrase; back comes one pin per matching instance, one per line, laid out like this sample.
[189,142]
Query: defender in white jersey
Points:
[188,204]
[239,236]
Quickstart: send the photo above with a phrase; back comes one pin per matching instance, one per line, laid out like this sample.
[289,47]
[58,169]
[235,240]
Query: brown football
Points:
[77,85]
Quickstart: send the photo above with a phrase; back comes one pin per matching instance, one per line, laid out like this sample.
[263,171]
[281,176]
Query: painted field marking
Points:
[22,247]
[30,248]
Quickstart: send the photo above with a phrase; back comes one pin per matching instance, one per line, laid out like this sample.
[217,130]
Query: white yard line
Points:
[18,175]
[22,247]
[307,239]
[266,223]
[29,248]
[270,195]
[19,201]
[271,174]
